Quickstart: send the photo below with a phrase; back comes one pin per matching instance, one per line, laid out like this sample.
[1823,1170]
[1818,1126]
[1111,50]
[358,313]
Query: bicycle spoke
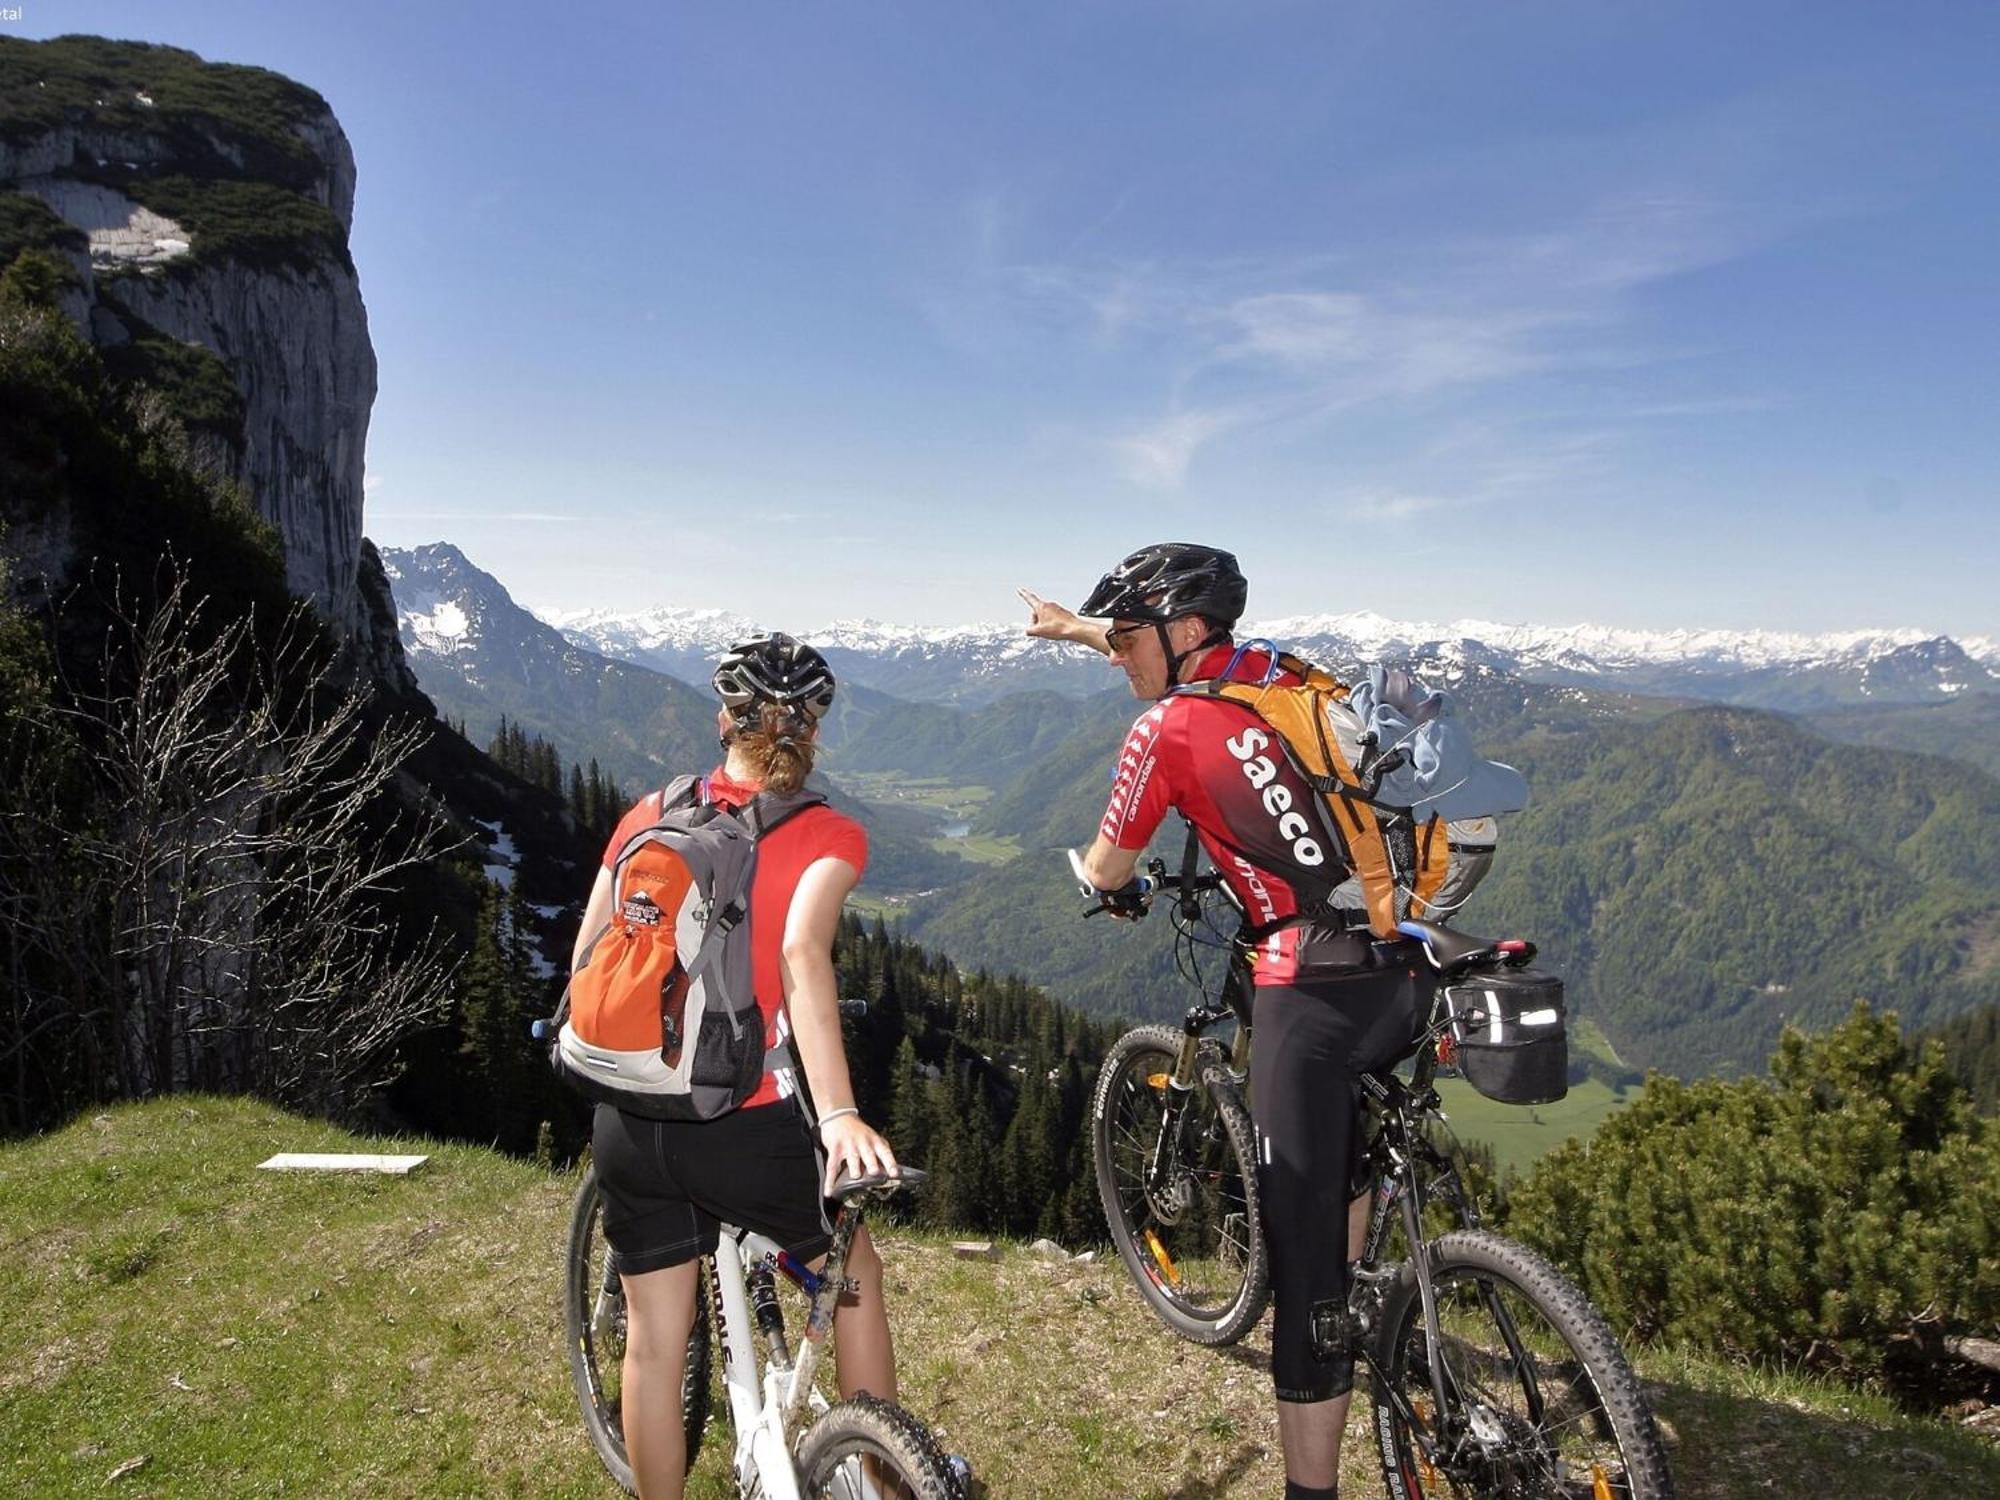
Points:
[1529,1420]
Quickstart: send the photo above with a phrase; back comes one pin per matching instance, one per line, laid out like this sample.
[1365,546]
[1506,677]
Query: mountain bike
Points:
[1174,1148]
[1491,1374]
[858,1449]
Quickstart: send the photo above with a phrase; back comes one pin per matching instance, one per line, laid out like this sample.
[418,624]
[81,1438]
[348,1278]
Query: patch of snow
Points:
[433,623]
[504,852]
[120,232]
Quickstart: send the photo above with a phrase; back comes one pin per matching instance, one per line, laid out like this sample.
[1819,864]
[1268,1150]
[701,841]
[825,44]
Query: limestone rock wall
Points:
[294,338]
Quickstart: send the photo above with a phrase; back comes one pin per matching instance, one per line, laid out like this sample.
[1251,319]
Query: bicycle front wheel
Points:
[594,1320]
[1176,1173]
[864,1447]
[1539,1402]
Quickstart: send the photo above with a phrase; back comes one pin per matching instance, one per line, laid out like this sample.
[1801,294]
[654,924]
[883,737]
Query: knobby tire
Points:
[1196,1251]
[863,1427]
[1593,1435]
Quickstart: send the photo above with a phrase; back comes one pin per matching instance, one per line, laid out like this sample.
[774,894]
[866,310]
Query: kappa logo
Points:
[1262,773]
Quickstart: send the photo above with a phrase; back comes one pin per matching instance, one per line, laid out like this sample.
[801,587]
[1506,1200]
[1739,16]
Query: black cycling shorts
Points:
[1311,1042]
[670,1184]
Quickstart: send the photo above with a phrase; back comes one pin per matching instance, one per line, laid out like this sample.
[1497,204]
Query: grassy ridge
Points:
[254,1333]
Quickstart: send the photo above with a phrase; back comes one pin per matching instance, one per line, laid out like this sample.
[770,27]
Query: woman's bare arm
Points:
[812,995]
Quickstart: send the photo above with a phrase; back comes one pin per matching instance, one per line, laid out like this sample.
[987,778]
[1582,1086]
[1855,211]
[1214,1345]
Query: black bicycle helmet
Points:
[774,669]
[1170,579]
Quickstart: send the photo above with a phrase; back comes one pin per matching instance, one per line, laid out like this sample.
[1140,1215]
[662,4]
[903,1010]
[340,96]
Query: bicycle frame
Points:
[763,1406]
[1411,1173]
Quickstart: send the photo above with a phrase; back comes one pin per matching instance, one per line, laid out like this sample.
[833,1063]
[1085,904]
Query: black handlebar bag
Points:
[1508,1034]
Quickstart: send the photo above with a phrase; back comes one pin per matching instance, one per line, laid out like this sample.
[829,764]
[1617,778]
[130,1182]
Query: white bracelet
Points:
[835,1114]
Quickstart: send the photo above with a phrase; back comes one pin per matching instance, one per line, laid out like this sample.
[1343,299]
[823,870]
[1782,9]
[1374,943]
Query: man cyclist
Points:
[1321,1013]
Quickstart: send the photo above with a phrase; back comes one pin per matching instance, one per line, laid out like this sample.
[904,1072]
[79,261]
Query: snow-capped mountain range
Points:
[977,663]
[971,662]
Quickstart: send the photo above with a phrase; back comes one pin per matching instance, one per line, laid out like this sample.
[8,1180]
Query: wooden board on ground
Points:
[309,1161]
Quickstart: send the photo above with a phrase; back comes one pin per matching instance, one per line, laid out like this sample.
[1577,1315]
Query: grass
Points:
[936,792]
[980,848]
[253,1333]
[1522,1135]
[949,801]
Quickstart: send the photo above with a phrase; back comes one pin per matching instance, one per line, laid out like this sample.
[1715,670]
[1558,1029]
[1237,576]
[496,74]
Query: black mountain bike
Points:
[1491,1374]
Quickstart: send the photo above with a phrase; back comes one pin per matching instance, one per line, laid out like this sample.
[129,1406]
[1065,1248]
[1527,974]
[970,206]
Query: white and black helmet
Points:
[774,669]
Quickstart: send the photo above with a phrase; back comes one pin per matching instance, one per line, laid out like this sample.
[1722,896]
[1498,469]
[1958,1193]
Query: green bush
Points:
[209,112]
[192,378]
[255,223]
[1845,1214]
[36,278]
[27,223]
[236,172]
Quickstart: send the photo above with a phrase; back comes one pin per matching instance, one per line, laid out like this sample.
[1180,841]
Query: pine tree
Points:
[908,1110]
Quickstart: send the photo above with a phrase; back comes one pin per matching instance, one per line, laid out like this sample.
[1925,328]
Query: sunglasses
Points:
[1113,637]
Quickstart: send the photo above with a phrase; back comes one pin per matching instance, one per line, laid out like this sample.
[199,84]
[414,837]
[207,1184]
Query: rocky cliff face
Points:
[287,320]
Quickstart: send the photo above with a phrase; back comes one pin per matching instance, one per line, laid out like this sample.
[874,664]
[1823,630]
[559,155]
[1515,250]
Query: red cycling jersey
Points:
[782,858]
[1222,768]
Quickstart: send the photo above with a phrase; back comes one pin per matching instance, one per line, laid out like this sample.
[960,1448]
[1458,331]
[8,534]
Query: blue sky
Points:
[1648,316]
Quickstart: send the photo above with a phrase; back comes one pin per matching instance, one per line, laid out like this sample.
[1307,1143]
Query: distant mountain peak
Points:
[980,661]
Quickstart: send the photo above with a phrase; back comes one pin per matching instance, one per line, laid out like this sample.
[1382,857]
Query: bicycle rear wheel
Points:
[1540,1403]
[1176,1173]
[864,1447]
[594,1320]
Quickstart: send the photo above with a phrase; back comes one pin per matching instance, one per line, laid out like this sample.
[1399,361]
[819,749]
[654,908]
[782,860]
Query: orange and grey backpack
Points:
[1402,862]
[660,1017]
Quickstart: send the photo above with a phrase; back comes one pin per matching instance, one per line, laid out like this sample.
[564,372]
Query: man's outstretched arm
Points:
[1050,621]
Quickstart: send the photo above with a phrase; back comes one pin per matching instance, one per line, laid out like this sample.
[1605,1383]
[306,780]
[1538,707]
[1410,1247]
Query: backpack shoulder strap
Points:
[767,810]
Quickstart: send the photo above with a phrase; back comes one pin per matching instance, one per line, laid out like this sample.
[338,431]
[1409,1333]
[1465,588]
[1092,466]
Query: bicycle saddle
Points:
[904,1177]
[1446,949]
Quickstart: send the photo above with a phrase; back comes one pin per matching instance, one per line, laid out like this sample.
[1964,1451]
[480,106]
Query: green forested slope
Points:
[988,746]
[1700,876]
[1704,879]
[1972,1052]
[1964,728]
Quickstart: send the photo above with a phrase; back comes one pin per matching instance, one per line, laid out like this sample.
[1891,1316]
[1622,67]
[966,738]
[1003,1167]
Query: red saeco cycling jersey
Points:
[1222,768]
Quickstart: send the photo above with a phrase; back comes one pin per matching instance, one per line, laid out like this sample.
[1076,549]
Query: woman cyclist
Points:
[669,1184]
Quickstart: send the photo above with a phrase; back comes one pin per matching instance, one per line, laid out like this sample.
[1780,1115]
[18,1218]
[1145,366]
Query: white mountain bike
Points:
[791,1444]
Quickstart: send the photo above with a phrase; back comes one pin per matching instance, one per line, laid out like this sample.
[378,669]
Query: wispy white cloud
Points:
[1276,346]
[1392,505]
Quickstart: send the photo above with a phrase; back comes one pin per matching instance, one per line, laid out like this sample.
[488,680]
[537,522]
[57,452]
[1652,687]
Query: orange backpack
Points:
[660,1017]
[1401,865]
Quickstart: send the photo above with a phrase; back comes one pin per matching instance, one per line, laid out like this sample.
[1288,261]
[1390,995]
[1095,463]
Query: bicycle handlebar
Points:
[1132,899]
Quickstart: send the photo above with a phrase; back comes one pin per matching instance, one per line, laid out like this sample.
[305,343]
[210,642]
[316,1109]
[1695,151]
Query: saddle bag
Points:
[1508,1036]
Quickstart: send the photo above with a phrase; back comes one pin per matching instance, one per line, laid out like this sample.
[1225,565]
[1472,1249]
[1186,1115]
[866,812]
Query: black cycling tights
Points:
[1311,1041]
